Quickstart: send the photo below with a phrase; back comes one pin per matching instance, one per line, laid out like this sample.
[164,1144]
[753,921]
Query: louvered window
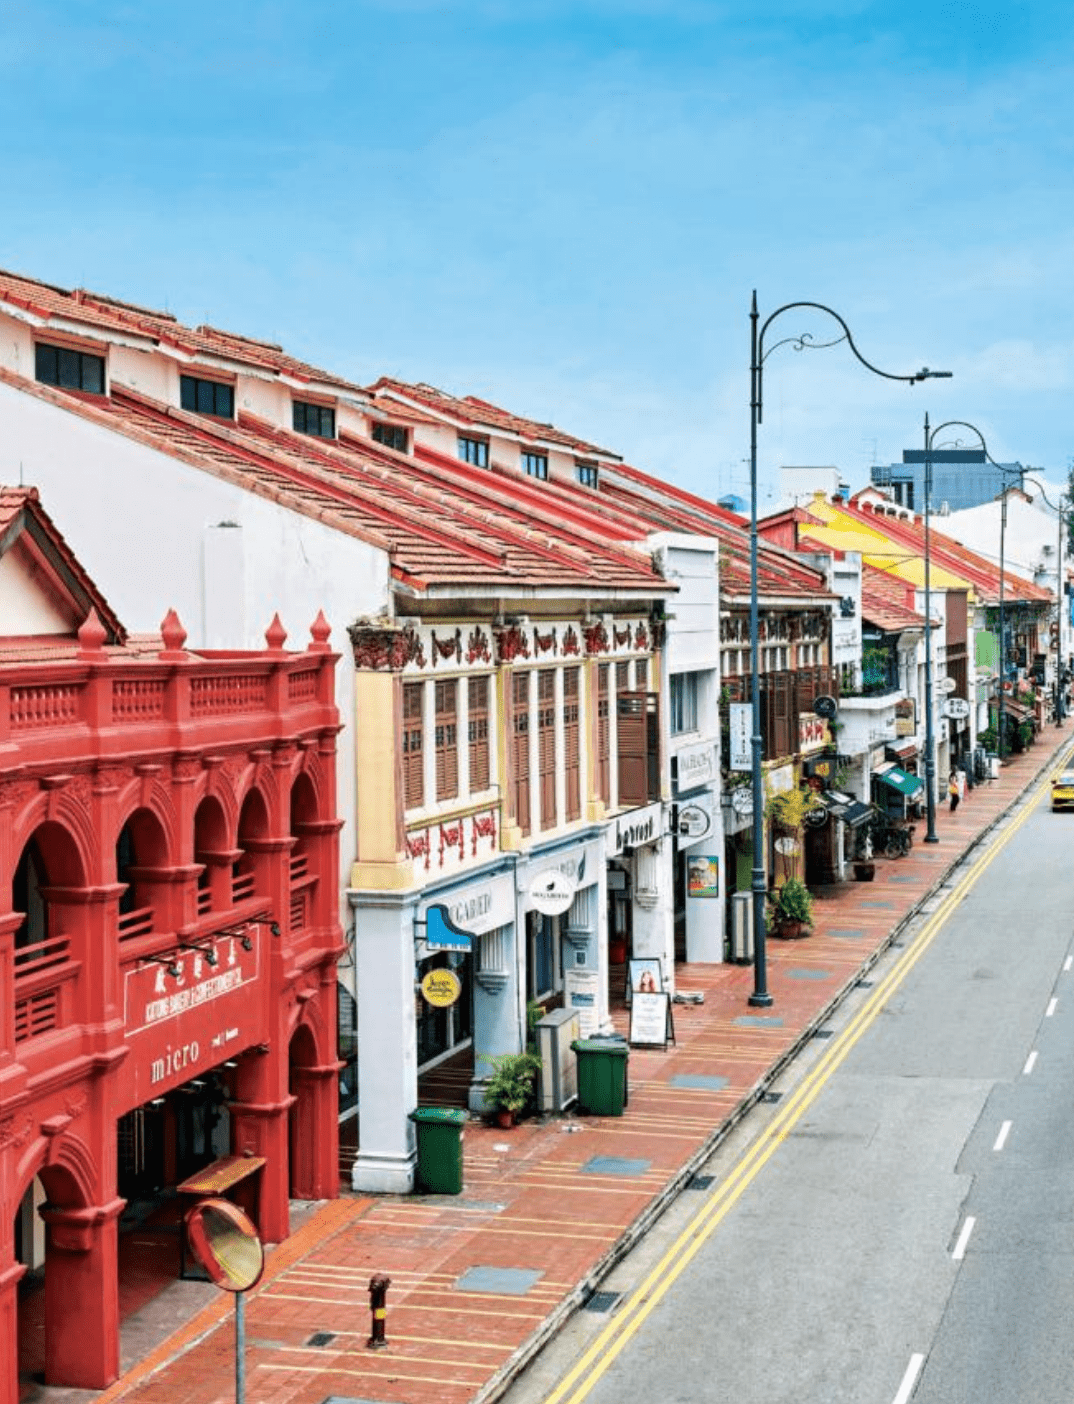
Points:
[413,760]
[604,734]
[546,744]
[446,739]
[478,732]
[638,738]
[520,749]
[572,746]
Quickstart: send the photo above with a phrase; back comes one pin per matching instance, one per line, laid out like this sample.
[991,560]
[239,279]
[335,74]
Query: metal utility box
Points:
[742,927]
[559,1066]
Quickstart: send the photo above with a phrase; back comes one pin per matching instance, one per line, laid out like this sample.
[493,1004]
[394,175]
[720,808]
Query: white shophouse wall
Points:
[147,528]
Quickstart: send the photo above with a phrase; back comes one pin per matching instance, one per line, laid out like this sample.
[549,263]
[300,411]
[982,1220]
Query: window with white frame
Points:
[683,703]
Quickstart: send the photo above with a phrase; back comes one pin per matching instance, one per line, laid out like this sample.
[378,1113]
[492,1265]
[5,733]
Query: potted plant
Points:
[510,1089]
[791,910]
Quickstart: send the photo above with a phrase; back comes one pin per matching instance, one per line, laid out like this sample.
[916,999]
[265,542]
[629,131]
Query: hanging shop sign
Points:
[825,707]
[695,822]
[813,733]
[947,684]
[742,801]
[551,892]
[441,988]
[957,708]
[741,727]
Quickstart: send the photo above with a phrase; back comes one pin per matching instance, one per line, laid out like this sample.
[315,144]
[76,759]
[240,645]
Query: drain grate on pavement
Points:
[823,1033]
[701,1182]
[321,1338]
[603,1301]
[771,1096]
[863,984]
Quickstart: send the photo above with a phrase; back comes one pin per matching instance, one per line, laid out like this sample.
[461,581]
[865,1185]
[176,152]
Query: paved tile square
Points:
[510,1282]
[615,1165]
[698,1081]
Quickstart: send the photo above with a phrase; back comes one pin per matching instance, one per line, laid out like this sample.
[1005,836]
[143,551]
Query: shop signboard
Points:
[188,1011]
[581,988]
[441,988]
[703,876]
[635,828]
[813,733]
[551,892]
[650,1019]
[741,728]
[694,766]
[957,708]
[451,922]
[694,823]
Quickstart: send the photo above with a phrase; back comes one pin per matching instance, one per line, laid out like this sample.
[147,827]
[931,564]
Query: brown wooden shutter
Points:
[546,745]
[572,748]
[413,764]
[520,749]
[632,736]
[478,732]
[604,734]
[447,740]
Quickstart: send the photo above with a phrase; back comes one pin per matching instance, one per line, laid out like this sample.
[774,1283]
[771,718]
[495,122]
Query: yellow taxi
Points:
[1063,789]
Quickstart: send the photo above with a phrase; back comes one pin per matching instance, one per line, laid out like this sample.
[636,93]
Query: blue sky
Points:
[564,207]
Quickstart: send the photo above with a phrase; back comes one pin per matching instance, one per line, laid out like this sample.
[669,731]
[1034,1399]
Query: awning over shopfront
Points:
[899,780]
[845,807]
[903,751]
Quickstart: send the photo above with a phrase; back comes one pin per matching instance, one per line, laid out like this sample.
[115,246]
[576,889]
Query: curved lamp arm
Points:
[805,342]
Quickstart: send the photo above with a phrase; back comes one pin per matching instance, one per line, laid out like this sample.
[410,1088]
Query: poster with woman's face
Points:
[646,977]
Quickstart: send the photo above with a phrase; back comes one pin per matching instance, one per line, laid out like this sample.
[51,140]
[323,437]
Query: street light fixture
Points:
[758,355]
[930,738]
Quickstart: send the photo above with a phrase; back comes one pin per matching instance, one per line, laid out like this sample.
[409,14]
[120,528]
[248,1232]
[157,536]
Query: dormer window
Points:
[475,451]
[207,397]
[392,436]
[586,473]
[68,368]
[535,465]
[318,420]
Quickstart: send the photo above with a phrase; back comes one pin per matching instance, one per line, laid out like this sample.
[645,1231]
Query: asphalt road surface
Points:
[900,1224]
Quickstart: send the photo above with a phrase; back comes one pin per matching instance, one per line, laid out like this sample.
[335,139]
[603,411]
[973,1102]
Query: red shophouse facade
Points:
[168,911]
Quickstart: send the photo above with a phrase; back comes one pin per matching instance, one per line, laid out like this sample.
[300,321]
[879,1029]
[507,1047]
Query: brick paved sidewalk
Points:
[478,1278]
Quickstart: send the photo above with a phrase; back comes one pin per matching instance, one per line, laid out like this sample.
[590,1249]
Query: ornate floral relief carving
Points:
[15,1131]
[385,648]
[621,636]
[641,637]
[447,648]
[596,638]
[544,643]
[477,647]
[483,826]
[571,646]
[418,846]
[16,792]
[451,836]
[511,643]
[659,633]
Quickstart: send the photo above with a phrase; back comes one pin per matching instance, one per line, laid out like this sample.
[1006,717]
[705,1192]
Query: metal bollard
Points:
[378,1296]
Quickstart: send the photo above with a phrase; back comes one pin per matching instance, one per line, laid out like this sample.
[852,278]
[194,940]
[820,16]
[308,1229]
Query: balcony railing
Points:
[41,971]
[138,922]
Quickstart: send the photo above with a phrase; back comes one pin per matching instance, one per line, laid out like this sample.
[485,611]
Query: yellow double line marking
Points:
[580,1380]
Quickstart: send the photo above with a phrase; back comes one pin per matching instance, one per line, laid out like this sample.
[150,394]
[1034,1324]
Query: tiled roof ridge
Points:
[310,478]
[81,295]
[980,571]
[204,329]
[337,461]
[688,499]
[455,406]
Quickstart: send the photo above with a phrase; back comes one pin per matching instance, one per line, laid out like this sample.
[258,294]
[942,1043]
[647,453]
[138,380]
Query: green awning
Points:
[899,780]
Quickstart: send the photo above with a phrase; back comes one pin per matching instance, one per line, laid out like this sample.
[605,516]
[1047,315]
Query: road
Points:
[899,1224]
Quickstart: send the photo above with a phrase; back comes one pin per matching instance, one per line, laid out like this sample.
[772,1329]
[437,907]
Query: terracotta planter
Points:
[505,1118]
[792,930]
[864,872]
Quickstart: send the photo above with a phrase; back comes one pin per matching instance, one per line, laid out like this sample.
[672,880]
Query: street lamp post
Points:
[758,355]
[930,737]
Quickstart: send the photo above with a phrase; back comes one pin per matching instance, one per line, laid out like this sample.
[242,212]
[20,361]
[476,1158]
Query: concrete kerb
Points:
[531,1348]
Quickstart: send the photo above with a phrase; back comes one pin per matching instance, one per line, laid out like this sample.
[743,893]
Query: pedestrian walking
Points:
[952,792]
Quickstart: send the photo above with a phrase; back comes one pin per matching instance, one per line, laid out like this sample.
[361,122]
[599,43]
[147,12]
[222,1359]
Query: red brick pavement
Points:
[530,1203]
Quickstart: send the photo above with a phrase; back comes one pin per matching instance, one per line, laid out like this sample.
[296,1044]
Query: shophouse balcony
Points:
[45,978]
[785,697]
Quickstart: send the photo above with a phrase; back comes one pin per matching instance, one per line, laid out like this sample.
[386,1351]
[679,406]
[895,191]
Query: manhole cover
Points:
[603,1301]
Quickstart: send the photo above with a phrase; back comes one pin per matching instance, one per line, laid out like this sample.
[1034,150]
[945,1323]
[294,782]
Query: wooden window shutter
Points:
[520,749]
[604,734]
[546,745]
[632,736]
[447,740]
[478,733]
[413,760]
[572,744]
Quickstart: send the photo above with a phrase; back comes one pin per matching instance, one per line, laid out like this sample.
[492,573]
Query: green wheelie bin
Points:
[602,1075]
[439,1133]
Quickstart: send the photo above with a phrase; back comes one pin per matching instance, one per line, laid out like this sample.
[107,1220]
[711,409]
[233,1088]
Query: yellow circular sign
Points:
[441,988]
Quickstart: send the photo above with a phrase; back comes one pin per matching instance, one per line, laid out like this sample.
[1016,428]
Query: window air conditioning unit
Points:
[742,927]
